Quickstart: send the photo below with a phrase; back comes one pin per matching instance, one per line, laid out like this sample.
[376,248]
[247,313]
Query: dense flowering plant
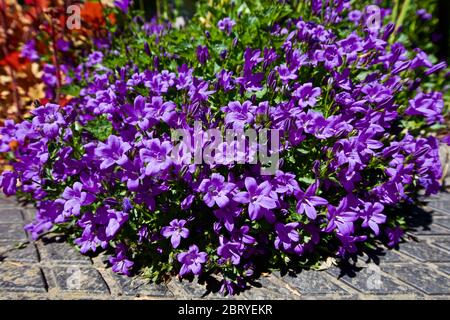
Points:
[354,109]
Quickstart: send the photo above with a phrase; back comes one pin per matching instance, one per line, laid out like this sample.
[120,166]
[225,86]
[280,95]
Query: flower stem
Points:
[402,15]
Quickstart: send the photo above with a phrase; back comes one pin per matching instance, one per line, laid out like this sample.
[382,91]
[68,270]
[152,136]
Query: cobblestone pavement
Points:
[52,269]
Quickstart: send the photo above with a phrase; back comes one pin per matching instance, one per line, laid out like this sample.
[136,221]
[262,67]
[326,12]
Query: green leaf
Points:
[100,128]
[71,90]
[306,180]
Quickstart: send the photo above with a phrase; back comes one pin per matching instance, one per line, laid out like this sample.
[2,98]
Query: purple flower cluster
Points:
[350,149]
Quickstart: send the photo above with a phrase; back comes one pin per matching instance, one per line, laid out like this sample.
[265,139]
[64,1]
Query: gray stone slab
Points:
[276,286]
[187,289]
[262,294]
[424,252]
[76,279]
[440,204]
[371,280]
[421,222]
[26,253]
[313,282]
[4,295]
[431,230]
[49,276]
[12,232]
[190,288]
[443,243]
[62,253]
[7,201]
[444,222]
[392,256]
[381,257]
[422,278]
[21,278]
[29,214]
[445,268]
[137,286]
[10,215]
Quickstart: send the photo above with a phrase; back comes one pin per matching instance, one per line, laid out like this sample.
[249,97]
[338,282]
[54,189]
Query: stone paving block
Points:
[23,296]
[10,252]
[445,268]
[10,215]
[75,279]
[392,256]
[313,282]
[443,195]
[381,256]
[21,278]
[12,232]
[138,286]
[196,289]
[430,230]
[6,202]
[440,204]
[49,276]
[275,285]
[188,288]
[421,222]
[443,243]
[263,294]
[444,222]
[422,278]
[28,214]
[261,288]
[62,253]
[423,252]
[371,280]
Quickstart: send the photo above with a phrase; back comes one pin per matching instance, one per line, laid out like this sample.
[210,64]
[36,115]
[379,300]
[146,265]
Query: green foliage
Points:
[100,128]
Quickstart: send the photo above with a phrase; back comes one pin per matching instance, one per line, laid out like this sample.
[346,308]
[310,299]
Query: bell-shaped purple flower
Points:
[372,216]
[48,120]
[230,250]
[115,221]
[216,190]
[238,115]
[75,198]
[287,235]
[156,156]
[429,106]
[306,95]
[285,73]
[226,24]
[112,152]
[137,114]
[120,263]
[341,217]
[192,261]
[202,54]
[394,236]
[285,183]
[175,231]
[123,5]
[260,199]
[8,181]
[307,201]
